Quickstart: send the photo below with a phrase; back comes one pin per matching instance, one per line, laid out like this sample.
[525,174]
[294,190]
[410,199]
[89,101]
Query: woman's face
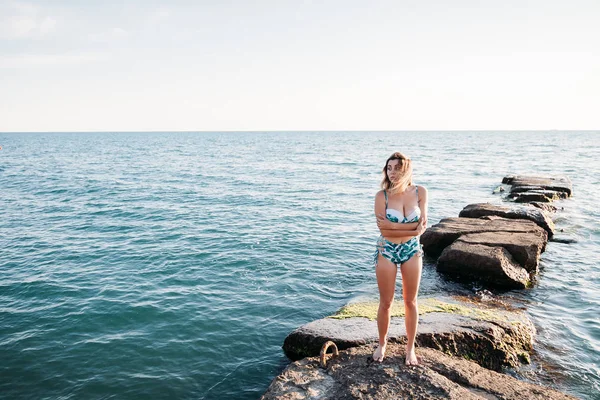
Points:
[393,170]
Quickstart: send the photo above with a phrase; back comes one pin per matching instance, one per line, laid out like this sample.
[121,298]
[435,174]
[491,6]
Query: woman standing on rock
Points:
[401,211]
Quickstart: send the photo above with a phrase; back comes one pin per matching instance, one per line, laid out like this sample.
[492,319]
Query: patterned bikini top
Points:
[398,216]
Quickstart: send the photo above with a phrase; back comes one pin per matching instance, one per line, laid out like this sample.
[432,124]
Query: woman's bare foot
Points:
[379,353]
[411,357]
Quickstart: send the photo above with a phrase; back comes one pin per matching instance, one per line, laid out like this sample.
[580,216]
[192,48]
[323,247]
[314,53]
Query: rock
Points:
[491,336]
[493,266]
[560,183]
[519,189]
[525,248]
[544,206]
[527,197]
[532,194]
[551,194]
[515,212]
[351,375]
[564,240]
[499,252]
[441,235]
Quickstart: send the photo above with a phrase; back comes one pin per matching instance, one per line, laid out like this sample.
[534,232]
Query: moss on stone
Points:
[428,305]
[529,284]
[301,351]
[524,358]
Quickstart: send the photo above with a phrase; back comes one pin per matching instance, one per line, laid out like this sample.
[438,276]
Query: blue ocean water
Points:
[173,265]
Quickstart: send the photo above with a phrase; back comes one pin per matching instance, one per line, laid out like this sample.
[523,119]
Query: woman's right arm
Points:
[384,223]
[389,233]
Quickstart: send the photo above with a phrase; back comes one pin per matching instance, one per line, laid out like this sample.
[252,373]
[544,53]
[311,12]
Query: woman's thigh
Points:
[386,273]
[411,277]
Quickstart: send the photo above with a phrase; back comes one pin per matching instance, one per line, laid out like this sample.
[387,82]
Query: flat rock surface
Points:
[491,336]
[541,218]
[352,375]
[441,235]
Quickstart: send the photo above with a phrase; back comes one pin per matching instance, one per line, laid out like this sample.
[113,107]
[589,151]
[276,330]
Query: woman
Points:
[401,211]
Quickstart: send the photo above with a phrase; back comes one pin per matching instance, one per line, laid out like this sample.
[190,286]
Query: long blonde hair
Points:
[405,179]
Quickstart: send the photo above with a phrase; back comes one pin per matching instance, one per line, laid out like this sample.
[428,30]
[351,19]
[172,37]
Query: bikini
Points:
[399,253]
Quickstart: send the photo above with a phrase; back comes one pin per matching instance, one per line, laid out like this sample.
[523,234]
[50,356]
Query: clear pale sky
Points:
[68,65]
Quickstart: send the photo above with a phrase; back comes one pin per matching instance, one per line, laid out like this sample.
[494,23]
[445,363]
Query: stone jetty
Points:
[499,246]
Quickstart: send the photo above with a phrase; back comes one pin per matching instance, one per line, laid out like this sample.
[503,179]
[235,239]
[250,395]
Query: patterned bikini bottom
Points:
[398,253]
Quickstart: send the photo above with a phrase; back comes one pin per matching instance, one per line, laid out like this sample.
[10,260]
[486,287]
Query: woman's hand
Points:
[383,222]
[421,227]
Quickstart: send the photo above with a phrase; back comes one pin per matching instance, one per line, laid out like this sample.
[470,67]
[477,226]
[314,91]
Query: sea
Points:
[174,264]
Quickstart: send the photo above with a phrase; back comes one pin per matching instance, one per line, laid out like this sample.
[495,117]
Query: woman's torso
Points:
[408,200]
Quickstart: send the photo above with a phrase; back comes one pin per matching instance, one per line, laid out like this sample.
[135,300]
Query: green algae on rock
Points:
[427,305]
[494,337]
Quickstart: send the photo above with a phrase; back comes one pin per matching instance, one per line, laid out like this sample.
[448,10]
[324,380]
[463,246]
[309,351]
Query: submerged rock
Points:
[479,210]
[491,336]
[351,375]
[564,240]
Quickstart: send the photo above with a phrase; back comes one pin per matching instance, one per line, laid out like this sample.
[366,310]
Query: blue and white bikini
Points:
[399,253]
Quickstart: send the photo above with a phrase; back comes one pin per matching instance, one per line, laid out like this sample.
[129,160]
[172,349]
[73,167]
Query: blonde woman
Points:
[401,211]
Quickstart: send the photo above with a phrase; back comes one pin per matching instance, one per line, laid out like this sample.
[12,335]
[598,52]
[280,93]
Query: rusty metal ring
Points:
[324,352]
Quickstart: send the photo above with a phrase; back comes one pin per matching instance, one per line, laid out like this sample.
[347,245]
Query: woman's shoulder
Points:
[421,189]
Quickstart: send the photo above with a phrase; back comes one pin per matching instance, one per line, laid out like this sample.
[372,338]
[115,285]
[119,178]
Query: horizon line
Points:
[311,131]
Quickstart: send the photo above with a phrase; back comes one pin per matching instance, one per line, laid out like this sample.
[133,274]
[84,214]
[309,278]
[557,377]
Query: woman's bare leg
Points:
[386,281]
[411,278]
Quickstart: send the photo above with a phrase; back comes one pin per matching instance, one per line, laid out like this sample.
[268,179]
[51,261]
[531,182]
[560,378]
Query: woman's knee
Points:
[410,304]
[386,304]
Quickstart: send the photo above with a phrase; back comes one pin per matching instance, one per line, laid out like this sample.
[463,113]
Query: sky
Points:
[226,65]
